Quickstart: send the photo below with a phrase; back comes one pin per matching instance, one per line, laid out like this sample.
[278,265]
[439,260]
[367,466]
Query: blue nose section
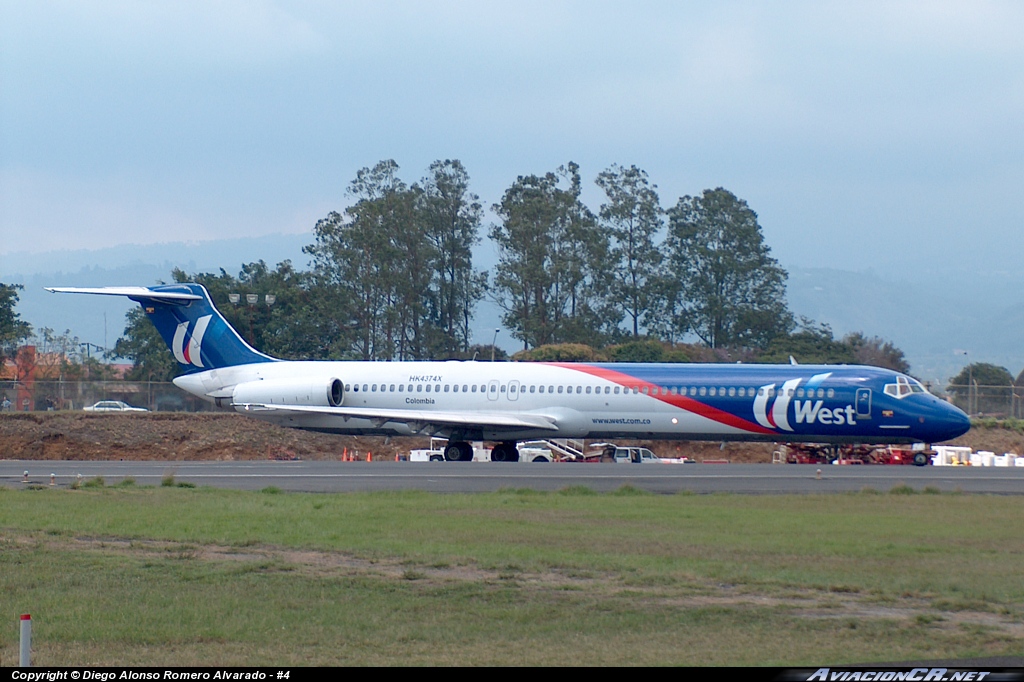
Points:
[953,423]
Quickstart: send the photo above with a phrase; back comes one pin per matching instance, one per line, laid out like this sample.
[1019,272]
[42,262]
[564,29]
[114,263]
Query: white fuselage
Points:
[582,405]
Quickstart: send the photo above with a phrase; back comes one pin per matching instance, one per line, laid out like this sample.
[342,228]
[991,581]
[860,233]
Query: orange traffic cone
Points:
[369,456]
[344,455]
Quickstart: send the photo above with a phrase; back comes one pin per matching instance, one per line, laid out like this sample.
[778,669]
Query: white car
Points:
[113,406]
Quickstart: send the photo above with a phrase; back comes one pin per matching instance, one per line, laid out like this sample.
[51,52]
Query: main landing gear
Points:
[505,452]
[461,451]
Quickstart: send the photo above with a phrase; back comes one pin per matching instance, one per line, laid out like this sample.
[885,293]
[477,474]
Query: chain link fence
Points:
[16,396]
[988,401]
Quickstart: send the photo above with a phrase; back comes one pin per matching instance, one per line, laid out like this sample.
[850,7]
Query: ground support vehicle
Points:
[815,453]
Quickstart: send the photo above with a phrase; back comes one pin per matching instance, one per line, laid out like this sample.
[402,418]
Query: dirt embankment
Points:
[177,436]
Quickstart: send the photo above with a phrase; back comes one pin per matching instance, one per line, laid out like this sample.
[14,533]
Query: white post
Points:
[25,658]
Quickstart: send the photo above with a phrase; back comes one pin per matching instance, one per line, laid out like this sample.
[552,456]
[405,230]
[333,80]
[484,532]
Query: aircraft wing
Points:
[418,420]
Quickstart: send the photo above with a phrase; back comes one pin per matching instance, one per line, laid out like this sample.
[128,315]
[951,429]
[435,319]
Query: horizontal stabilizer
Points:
[131,292]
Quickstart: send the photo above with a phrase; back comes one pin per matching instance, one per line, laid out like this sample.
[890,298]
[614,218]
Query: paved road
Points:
[483,477]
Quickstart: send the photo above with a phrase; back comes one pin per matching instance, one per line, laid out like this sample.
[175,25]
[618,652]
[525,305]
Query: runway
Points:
[475,477]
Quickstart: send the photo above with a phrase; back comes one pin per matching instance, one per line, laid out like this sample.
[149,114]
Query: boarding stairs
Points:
[569,447]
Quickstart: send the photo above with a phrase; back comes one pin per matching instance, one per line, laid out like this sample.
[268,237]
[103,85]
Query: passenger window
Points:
[703,390]
[551,389]
[616,390]
[401,387]
[348,387]
[419,388]
[428,388]
[541,389]
[392,389]
[437,388]
[465,388]
[588,390]
[503,388]
[494,388]
[831,393]
[474,388]
[559,389]
[533,389]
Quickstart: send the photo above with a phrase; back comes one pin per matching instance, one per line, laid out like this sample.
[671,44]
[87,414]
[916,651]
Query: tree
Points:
[378,259]
[727,289]
[451,216]
[981,374]
[811,345]
[876,352]
[982,387]
[13,330]
[552,254]
[632,218]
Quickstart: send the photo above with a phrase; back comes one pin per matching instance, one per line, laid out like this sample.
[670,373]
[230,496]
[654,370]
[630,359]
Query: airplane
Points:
[512,402]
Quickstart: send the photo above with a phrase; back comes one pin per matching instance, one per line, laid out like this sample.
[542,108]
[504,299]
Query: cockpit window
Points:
[903,387]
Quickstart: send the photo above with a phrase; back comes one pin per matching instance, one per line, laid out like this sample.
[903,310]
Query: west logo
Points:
[809,411]
[190,353]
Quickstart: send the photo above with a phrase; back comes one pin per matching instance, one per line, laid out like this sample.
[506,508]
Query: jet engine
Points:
[318,392]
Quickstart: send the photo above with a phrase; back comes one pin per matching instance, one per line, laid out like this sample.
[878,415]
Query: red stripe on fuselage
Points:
[680,401]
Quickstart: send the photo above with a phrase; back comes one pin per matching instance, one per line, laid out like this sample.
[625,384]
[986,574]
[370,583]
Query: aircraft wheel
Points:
[436,458]
[499,454]
[453,453]
[541,458]
[466,449]
[920,459]
[513,454]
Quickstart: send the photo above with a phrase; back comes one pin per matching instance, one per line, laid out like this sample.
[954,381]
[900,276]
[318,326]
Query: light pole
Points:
[251,300]
[493,342]
[970,381]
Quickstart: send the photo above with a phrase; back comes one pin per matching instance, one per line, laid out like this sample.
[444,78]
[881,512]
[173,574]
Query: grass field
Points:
[178,576]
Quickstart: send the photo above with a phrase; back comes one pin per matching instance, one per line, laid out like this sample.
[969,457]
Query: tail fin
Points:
[188,322]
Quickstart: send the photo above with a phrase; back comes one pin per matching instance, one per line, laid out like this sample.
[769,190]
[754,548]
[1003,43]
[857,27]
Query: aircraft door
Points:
[863,403]
[492,389]
[513,390]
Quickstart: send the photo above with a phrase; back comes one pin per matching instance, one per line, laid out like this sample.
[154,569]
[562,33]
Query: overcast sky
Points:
[863,134]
